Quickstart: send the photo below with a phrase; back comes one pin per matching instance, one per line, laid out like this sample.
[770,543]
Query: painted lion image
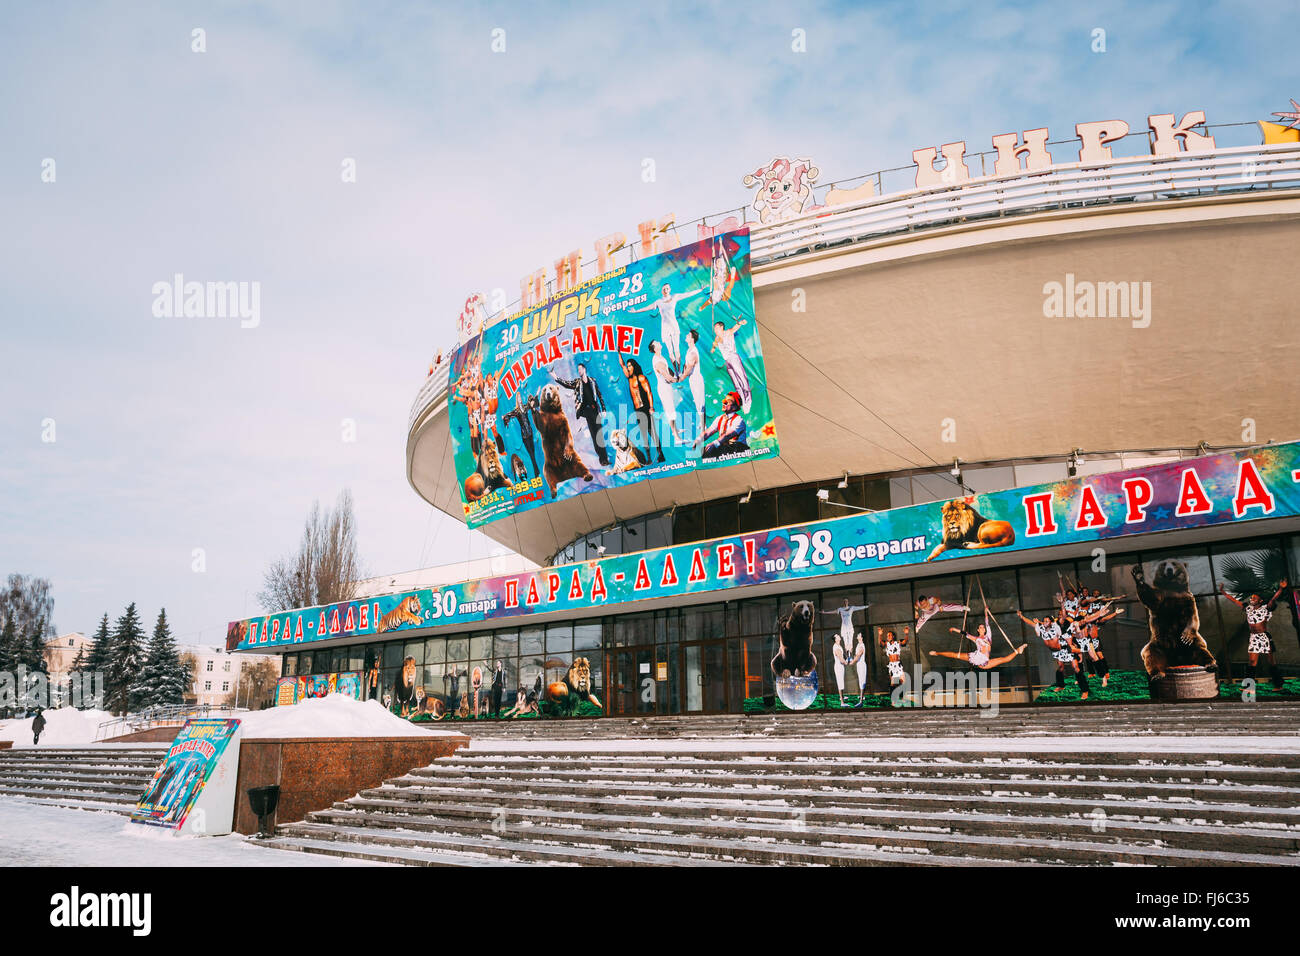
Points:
[576,686]
[489,466]
[407,612]
[964,527]
[404,687]
[1173,618]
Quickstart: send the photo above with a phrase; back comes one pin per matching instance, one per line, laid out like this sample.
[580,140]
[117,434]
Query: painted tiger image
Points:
[964,527]
[407,612]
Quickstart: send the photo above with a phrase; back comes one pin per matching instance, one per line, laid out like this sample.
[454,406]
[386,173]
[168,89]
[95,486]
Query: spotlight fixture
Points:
[600,549]
[956,469]
[1202,447]
[630,530]
[749,494]
[844,482]
[823,494]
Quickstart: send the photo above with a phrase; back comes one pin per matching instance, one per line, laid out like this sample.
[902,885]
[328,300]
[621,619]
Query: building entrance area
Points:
[689,678]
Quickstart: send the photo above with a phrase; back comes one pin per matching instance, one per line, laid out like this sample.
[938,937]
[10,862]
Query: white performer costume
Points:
[980,656]
[839,665]
[928,607]
[692,373]
[669,333]
[860,664]
[726,341]
[664,387]
[846,620]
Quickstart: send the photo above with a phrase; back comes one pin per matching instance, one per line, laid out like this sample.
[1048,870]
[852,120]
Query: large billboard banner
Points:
[179,780]
[1223,489]
[650,370]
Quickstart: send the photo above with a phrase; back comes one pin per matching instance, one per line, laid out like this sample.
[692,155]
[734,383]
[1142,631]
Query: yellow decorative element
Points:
[1277,133]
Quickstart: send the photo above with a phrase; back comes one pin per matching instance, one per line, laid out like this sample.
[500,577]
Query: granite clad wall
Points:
[314,773]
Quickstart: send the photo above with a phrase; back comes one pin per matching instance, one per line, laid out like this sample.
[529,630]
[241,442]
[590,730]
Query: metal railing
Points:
[152,717]
[1125,180]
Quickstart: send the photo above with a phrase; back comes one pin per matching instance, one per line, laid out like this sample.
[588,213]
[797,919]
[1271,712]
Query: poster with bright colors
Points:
[653,369]
[349,684]
[1233,488]
[179,780]
[286,691]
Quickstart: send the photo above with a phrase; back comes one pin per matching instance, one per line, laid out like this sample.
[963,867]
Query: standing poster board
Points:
[193,789]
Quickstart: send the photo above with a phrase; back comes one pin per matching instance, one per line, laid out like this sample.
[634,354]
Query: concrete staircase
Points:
[97,777]
[1220,718]
[883,800]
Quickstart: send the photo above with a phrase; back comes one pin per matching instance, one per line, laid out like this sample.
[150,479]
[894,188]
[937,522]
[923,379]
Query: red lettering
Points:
[1090,513]
[1038,515]
[598,590]
[751,555]
[1192,499]
[726,568]
[697,567]
[575,587]
[512,593]
[1137,495]
[350,622]
[1251,490]
[552,586]
[670,572]
[532,597]
[642,576]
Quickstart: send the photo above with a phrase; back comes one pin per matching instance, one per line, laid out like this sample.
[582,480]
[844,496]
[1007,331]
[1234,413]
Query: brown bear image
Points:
[795,658]
[489,466]
[562,461]
[964,527]
[1175,623]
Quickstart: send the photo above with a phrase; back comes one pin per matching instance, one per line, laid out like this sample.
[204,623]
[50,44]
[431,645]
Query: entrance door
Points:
[629,674]
[704,677]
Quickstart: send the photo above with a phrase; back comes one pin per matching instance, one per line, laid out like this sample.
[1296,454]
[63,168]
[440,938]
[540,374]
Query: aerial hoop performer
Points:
[928,607]
[846,612]
[723,278]
[983,648]
[669,332]
[724,340]
[1261,641]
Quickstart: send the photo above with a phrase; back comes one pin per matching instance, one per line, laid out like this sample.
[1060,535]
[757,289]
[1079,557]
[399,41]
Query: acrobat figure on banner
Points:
[983,648]
[669,331]
[665,380]
[893,648]
[1064,650]
[840,661]
[724,340]
[1258,614]
[723,277]
[692,374]
[1096,612]
[859,662]
[729,427]
[846,612]
[928,607]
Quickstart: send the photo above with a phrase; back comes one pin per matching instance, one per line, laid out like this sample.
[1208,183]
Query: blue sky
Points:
[473,168]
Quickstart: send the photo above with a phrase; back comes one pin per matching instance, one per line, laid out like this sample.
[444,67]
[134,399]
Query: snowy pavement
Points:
[35,835]
[868,745]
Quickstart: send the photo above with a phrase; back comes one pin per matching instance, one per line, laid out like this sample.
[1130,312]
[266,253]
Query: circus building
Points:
[1024,410]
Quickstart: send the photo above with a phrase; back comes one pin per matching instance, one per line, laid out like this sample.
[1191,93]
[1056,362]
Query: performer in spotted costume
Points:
[1258,614]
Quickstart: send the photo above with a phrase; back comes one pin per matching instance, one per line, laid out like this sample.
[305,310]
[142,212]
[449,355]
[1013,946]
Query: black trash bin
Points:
[263,801]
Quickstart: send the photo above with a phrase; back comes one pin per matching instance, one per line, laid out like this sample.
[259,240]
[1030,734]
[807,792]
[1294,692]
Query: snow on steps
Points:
[93,778]
[779,806]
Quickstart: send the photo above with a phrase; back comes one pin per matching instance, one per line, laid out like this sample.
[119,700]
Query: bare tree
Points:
[27,602]
[190,664]
[325,568]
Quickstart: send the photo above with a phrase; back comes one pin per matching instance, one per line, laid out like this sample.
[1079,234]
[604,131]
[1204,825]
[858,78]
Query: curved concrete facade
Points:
[910,335]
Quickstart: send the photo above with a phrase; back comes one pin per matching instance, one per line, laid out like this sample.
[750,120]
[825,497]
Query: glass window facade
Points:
[713,657]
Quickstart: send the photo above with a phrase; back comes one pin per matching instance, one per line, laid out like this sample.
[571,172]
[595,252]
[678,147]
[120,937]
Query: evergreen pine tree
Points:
[33,652]
[162,679]
[8,647]
[101,651]
[127,657]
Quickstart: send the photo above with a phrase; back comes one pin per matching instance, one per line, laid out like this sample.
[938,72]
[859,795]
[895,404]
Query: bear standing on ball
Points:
[795,657]
[1174,620]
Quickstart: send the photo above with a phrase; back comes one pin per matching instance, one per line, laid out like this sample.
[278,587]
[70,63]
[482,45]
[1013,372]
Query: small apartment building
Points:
[218,674]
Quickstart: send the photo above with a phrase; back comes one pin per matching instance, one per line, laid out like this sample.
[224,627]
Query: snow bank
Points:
[335,715]
[65,727]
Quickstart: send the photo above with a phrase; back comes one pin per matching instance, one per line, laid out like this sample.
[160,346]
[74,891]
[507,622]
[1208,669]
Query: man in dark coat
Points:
[498,688]
[590,406]
[525,420]
[38,724]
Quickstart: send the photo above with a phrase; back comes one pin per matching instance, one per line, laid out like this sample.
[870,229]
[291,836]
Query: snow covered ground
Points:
[36,835]
[63,727]
[334,716]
